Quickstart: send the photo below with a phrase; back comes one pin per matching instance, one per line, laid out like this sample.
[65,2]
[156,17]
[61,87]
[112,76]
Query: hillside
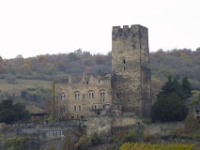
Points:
[36,94]
[28,80]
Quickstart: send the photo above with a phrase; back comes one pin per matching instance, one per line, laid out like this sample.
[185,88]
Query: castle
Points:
[127,89]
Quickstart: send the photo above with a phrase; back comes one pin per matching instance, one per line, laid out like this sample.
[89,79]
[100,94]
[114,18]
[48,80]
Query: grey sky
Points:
[33,27]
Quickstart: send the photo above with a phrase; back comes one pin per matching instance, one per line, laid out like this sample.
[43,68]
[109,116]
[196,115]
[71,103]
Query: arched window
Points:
[102,95]
[91,94]
[77,95]
[62,96]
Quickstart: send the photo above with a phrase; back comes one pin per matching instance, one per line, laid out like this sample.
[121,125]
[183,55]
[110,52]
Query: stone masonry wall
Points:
[81,94]
[45,134]
[108,125]
[131,78]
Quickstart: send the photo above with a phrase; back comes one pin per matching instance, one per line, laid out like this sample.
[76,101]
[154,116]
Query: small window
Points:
[124,61]
[82,117]
[74,108]
[95,106]
[79,107]
[62,96]
[197,111]
[77,95]
[91,94]
[102,95]
[72,117]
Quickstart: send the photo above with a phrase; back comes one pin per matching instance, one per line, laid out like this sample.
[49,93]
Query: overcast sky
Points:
[34,27]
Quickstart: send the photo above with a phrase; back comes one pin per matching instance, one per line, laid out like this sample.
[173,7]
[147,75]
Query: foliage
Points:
[69,143]
[170,101]
[169,108]
[73,57]
[10,79]
[96,139]
[130,137]
[191,124]
[83,143]
[177,62]
[149,138]
[10,112]
[195,100]
[15,143]
[143,146]
[186,87]
[51,148]
[52,116]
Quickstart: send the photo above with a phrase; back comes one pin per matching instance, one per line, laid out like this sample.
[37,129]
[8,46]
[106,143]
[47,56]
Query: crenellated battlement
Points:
[119,32]
[84,79]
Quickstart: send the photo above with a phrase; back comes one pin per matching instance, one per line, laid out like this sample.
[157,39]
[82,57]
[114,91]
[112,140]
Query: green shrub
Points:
[148,138]
[96,139]
[193,102]
[191,124]
[83,143]
[15,143]
[10,79]
[170,136]
[130,137]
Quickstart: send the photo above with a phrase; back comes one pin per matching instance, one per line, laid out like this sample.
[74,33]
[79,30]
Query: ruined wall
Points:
[131,77]
[76,96]
[163,128]
[108,125]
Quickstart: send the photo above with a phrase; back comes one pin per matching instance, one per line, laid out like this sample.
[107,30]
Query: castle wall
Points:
[76,96]
[163,128]
[108,125]
[130,67]
[42,135]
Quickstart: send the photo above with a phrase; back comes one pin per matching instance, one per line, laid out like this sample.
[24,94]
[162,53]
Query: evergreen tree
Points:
[171,86]
[170,101]
[10,112]
[186,87]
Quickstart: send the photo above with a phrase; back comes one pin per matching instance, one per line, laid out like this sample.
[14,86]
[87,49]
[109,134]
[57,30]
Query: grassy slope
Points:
[22,84]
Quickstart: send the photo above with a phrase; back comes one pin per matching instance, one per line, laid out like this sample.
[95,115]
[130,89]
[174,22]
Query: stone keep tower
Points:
[131,77]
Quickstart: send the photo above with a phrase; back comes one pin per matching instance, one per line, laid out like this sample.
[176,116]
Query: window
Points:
[62,96]
[102,95]
[124,61]
[74,108]
[197,111]
[79,107]
[91,94]
[77,95]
